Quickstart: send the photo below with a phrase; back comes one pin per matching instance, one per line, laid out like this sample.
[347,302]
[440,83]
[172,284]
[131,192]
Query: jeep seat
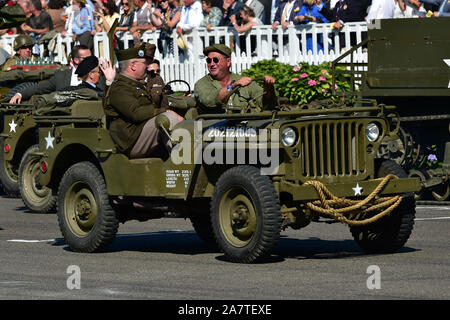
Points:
[91,108]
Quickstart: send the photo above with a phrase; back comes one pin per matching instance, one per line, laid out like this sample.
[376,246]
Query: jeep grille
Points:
[337,148]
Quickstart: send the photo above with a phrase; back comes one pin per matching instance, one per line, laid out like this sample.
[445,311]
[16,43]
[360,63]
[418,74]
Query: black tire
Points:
[34,196]
[8,174]
[86,218]
[203,227]
[245,214]
[391,232]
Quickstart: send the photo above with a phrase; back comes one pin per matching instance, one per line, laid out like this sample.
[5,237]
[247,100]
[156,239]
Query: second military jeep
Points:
[240,178]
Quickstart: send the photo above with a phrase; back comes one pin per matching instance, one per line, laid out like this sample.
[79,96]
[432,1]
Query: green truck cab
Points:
[408,66]
[241,178]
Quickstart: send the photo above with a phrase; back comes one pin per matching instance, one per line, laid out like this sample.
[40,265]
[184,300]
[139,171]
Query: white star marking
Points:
[447,61]
[12,126]
[49,139]
[357,190]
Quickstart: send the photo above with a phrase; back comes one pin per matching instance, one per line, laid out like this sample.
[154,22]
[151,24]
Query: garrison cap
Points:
[132,53]
[150,49]
[220,48]
[86,66]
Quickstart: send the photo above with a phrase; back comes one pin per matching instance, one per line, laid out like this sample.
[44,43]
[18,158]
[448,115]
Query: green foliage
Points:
[302,83]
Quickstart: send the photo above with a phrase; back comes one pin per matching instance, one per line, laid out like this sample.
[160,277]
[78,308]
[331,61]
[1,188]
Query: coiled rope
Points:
[353,212]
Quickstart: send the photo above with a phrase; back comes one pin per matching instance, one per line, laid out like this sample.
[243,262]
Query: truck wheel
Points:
[8,173]
[245,214]
[34,196]
[391,232]
[86,218]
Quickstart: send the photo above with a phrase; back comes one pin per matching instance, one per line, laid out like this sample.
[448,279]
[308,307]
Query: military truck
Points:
[241,178]
[410,70]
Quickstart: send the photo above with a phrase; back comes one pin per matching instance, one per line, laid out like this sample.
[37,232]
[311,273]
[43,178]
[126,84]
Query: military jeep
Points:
[241,178]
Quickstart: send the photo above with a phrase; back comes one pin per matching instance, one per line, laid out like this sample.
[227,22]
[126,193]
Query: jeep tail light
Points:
[7,148]
[43,166]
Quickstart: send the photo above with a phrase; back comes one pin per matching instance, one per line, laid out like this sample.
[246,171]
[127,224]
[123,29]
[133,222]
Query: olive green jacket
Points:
[206,91]
[128,105]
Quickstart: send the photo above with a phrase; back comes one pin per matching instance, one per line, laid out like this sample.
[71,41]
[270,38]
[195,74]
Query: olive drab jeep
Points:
[241,178]
[17,163]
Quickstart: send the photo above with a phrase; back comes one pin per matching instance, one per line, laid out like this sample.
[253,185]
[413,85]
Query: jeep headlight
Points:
[372,132]
[288,137]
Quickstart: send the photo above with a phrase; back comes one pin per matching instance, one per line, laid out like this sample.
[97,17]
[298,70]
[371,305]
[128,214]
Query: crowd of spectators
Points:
[84,18]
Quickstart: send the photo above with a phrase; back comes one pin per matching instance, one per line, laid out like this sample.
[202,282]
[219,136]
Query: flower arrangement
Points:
[302,83]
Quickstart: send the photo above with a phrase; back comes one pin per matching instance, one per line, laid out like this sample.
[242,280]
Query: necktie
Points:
[338,10]
[186,21]
[285,11]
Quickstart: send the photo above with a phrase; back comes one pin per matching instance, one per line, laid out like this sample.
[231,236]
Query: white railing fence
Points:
[311,43]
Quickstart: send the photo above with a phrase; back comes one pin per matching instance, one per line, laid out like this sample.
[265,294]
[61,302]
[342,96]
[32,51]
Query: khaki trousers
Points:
[151,137]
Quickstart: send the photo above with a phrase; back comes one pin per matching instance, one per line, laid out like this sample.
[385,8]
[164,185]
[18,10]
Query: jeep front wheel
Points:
[391,232]
[34,196]
[85,216]
[245,214]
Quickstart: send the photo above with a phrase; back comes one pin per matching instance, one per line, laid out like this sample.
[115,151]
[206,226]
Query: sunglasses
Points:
[125,3]
[215,59]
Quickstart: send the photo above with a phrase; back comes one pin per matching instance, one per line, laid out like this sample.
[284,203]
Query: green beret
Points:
[220,48]
[132,53]
[87,65]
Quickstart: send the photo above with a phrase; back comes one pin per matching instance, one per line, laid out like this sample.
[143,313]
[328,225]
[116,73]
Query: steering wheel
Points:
[168,89]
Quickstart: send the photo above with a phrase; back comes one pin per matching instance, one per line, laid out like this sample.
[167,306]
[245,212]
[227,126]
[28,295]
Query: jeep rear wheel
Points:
[86,218]
[8,173]
[245,214]
[391,232]
[34,196]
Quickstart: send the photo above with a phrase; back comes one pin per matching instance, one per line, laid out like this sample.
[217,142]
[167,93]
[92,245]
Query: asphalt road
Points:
[164,259]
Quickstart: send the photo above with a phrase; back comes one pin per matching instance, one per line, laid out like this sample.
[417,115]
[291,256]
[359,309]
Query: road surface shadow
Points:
[187,242]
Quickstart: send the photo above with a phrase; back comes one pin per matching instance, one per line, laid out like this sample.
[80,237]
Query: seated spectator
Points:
[211,15]
[55,10]
[83,27]
[106,16]
[126,17]
[231,8]
[257,7]
[309,13]
[38,24]
[142,19]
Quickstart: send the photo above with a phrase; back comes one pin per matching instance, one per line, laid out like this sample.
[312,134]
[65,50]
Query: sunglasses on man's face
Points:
[215,59]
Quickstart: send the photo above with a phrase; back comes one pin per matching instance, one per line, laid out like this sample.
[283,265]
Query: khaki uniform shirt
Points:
[128,106]
[206,91]
[12,61]
[156,85]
